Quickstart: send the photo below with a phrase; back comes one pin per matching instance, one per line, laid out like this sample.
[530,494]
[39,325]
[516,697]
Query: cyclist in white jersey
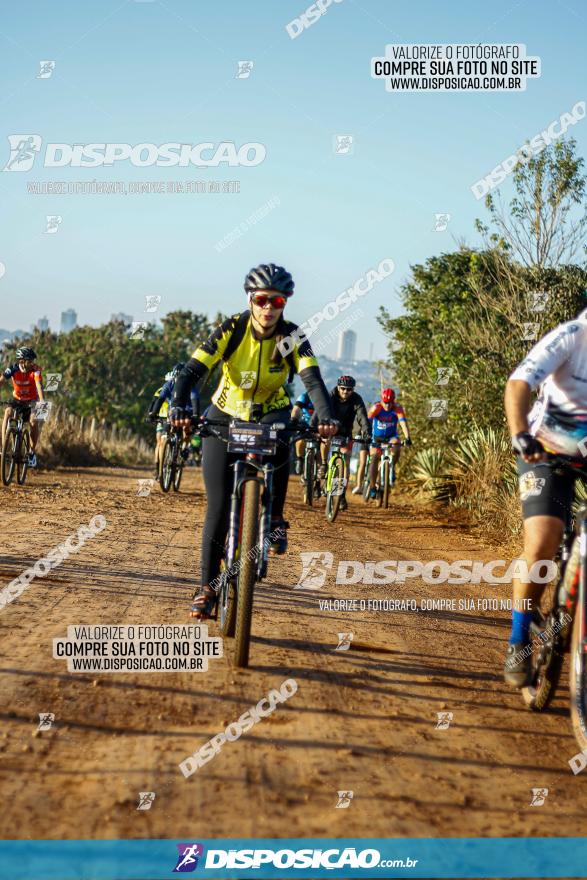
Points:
[555,425]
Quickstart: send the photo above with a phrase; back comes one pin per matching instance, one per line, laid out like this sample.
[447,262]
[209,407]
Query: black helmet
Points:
[268,276]
[176,370]
[25,354]
[346,382]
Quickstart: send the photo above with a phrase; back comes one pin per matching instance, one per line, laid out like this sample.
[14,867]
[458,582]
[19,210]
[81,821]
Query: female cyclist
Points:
[251,388]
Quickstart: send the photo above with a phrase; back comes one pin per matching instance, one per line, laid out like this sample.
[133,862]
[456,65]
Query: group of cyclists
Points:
[253,385]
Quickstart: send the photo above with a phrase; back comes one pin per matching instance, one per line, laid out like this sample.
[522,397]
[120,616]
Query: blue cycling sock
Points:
[520,626]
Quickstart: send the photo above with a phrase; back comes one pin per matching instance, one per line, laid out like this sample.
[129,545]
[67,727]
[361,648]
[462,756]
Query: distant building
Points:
[43,324]
[120,316]
[347,344]
[68,320]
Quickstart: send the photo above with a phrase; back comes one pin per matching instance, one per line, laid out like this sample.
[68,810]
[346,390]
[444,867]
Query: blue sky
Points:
[159,72]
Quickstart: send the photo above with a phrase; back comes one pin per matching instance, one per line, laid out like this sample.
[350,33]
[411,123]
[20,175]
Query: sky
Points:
[165,71]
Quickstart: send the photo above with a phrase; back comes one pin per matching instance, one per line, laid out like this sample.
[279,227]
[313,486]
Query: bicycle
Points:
[560,626]
[172,458]
[335,482]
[17,442]
[385,474]
[246,554]
[310,479]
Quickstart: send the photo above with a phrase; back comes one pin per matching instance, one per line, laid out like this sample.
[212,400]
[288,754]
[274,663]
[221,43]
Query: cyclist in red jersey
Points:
[27,383]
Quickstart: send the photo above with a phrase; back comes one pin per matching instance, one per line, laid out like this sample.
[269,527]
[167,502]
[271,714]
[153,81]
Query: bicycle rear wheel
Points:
[309,477]
[334,494]
[9,455]
[22,459]
[247,572]
[166,468]
[547,660]
[578,675]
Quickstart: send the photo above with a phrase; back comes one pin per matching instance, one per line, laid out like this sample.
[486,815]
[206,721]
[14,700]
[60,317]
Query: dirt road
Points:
[363,720]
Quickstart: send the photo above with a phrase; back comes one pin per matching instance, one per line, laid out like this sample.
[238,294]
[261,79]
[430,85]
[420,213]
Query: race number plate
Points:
[246,437]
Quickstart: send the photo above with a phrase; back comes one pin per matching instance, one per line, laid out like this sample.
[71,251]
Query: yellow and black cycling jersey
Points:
[255,372]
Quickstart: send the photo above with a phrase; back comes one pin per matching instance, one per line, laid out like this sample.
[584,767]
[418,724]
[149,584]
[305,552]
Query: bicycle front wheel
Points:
[166,469]
[335,488]
[385,487]
[22,458]
[9,456]
[578,677]
[309,477]
[247,572]
[177,472]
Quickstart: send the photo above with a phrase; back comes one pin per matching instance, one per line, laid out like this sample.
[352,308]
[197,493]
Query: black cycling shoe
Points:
[278,544]
[298,466]
[517,670]
[343,503]
[204,604]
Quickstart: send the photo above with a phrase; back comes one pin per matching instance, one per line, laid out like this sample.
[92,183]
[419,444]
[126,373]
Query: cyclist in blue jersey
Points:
[160,407]
[303,410]
[385,416]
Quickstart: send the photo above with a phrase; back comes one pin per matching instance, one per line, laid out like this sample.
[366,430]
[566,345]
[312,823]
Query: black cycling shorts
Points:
[546,489]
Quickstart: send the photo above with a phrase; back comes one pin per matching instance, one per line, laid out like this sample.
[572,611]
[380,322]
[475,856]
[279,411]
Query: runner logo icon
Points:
[23,149]
[187,860]
[315,567]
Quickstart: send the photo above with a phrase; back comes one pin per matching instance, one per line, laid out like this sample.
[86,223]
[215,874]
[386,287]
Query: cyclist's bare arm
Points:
[296,412]
[518,400]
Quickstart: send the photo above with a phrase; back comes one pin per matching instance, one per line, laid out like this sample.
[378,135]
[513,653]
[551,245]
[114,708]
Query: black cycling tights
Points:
[218,479]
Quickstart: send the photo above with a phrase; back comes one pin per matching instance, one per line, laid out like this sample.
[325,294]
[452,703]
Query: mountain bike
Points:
[173,457]
[310,479]
[335,483]
[385,476]
[246,553]
[559,626]
[17,443]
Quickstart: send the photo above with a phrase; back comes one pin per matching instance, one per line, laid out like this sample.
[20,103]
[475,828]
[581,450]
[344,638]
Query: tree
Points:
[546,220]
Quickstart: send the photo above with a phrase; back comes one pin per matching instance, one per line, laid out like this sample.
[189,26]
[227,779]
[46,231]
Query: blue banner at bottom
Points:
[303,858]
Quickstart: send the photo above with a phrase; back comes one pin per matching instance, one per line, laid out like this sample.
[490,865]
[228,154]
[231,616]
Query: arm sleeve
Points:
[157,403]
[202,360]
[362,418]
[314,384]
[401,413]
[546,356]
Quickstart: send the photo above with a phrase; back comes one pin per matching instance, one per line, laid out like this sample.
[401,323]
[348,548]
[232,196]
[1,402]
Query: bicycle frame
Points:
[334,453]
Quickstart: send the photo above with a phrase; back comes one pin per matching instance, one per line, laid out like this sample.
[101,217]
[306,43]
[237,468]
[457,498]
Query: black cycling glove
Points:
[525,444]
